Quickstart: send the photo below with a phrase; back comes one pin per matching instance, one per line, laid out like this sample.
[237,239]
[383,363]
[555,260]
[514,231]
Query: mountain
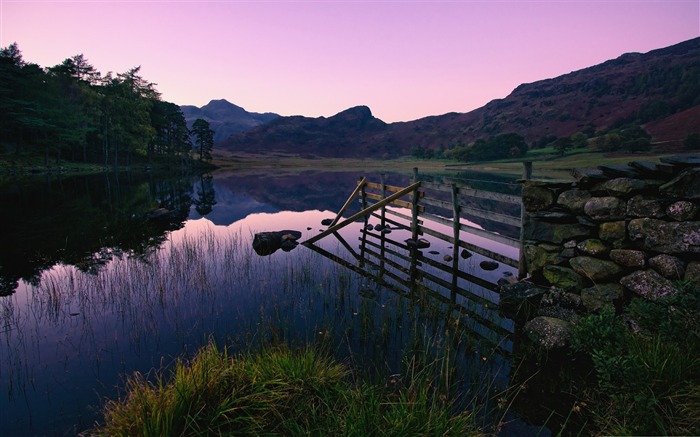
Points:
[659,90]
[225,118]
[345,134]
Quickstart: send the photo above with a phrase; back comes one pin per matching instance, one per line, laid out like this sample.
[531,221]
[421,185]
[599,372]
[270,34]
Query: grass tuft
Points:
[277,391]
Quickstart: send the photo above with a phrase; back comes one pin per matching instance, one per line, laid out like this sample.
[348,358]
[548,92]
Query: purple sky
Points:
[403,59]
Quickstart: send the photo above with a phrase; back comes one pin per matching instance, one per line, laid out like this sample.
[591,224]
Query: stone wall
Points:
[615,233]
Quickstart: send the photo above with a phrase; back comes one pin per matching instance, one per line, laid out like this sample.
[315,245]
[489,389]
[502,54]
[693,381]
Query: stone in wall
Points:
[613,231]
[641,206]
[682,211]
[648,284]
[692,271]
[622,186]
[628,257]
[537,256]
[686,185]
[605,208]
[554,232]
[537,198]
[668,266]
[563,277]
[593,247]
[574,200]
[595,269]
[665,237]
[596,297]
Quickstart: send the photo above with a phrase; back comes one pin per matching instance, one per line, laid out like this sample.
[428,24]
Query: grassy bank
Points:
[544,165]
[280,392]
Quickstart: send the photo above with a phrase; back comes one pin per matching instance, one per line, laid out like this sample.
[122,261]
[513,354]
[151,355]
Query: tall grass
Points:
[278,391]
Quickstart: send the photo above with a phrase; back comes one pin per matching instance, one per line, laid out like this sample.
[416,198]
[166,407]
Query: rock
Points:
[537,257]
[682,160]
[434,252]
[682,211]
[537,198]
[619,186]
[692,272]
[565,255]
[686,185]
[386,230]
[640,206]
[553,216]
[668,266]
[628,257]
[574,200]
[379,227]
[420,243]
[369,227]
[665,237]
[516,293]
[548,332]
[554,232]
[563,277]
[266,243]
[605,208]
[614,170]
[488,265]
[613,231]
[595,298]
[597,270]
[308,229]
[648,284]
[447,258]
[465,254]
[326,222]
[593,247]
[588,174]
[648,169]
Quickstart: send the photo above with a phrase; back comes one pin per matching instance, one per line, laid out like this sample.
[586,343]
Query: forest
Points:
[73,112]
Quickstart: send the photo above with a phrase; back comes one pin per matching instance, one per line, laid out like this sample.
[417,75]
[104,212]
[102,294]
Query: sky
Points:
[404,59]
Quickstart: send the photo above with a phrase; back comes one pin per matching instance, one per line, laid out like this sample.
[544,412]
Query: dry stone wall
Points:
[614,233]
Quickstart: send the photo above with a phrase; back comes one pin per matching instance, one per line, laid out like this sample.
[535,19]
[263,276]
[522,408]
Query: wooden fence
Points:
[440,203]
[404,268]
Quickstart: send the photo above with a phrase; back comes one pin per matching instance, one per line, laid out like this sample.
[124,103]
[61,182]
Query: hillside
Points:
[345,134]
[659,89]
[225,118]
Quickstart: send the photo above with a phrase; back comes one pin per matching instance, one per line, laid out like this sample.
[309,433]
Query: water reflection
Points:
[84,221]
[101,290]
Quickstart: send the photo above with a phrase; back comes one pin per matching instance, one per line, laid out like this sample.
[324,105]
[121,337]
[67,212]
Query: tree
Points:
[204,138]
[579,140]
[692,141]
[563,144]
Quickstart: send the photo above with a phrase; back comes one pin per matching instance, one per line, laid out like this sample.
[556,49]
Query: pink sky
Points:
[403,59]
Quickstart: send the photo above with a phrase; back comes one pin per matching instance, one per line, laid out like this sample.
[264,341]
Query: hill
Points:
[225,118]
[659,90]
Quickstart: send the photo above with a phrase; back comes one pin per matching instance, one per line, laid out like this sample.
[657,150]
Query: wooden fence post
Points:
[522,268]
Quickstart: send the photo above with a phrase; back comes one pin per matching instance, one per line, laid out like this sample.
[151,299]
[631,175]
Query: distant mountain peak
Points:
[225,118]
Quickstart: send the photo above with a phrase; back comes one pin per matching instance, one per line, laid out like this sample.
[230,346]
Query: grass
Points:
[279,391]
[648,380]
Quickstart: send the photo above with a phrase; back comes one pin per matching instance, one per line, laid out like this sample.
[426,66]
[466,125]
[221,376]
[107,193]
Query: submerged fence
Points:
[441,210]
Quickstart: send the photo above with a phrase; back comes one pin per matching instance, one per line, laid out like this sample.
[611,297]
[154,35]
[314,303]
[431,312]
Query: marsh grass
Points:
[280,391]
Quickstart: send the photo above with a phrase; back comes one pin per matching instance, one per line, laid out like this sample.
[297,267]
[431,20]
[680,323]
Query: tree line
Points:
[72,112]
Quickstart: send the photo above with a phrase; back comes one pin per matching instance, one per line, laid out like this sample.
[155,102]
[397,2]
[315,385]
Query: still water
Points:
[95,286]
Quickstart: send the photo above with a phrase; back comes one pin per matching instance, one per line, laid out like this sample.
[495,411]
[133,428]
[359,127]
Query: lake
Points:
[105,275]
